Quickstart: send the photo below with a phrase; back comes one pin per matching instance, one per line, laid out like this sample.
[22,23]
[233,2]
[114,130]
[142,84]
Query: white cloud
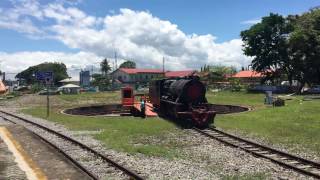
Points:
[251,21]
[136,35]
[146,39]
[15,62]
[18,17]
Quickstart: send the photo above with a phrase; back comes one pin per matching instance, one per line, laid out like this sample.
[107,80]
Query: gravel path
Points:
[203,158]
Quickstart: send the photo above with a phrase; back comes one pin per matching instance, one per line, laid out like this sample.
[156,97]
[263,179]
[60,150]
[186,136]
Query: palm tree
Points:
[105,67]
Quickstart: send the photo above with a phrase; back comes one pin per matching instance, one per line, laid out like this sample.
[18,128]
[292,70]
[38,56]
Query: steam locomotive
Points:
[182,99]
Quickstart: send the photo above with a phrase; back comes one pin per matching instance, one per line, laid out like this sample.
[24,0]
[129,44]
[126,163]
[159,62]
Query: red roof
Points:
[135,71]
[179,73]
[248,74]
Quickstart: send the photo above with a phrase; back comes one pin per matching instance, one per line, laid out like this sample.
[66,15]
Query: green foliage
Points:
[105,67]
[286,47]
[128,64]
[304,45]
[235,84]
[102,81]
[217,73]
[267,43]
[59,71]
[36,87]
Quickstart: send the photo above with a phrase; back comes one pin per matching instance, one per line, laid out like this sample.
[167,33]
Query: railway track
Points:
[284,159]
[14,119]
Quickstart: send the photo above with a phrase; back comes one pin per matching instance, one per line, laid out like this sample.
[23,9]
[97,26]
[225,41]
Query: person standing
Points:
[143,108]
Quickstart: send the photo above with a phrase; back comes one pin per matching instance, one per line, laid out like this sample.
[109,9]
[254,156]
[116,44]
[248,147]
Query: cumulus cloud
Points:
[13,63]
[17,17]
[135,35]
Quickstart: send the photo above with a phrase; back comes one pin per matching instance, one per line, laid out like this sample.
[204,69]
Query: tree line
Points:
[102,80]
[286,47]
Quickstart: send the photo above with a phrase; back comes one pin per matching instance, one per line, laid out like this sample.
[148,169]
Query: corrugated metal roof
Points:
[179,73]
[136,71]
[248,74]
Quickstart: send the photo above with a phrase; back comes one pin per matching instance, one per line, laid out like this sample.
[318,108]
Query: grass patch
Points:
[121,133]
[91,97]
[236,98]
[297,123]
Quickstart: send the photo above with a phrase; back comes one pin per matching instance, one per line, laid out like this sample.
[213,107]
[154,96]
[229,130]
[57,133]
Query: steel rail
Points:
[128,172]
[301,165]
[77,164]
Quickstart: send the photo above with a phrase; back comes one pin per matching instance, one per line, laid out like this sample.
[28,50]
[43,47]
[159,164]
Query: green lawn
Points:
[129,134]
[295,125]
[91,97]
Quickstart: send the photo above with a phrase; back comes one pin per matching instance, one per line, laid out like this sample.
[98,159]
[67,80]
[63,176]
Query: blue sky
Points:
[54,30]
[222,18]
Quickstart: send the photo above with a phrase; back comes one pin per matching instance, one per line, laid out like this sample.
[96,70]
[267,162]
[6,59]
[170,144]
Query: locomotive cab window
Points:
[127,94]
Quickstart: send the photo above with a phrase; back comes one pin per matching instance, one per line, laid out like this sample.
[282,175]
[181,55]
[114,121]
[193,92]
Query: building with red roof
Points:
[127,75]
[249,76]
[171,74]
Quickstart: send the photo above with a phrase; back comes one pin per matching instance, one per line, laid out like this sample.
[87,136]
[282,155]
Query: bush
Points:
[35,88]
[236,85]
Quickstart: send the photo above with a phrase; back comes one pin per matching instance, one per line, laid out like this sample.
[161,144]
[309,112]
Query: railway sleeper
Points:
[271,155]
[293,162]
[304,166]
[263,152]
[284,158]
[254,149]
[315,171]
[219,136]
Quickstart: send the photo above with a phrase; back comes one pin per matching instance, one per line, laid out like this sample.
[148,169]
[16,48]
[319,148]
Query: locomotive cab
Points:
[127,96]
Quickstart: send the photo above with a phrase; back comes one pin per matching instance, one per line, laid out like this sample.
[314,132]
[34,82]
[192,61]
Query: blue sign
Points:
[44,76]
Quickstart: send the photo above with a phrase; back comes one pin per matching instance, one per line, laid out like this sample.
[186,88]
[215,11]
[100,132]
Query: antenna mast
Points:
[115,59]
[163,64]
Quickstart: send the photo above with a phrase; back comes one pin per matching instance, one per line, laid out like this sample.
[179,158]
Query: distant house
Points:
[70,89]
[171,74]
[126,75]
[69,80]
[249,77]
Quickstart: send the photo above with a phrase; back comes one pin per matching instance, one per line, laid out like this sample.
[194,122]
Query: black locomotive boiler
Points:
[182,99]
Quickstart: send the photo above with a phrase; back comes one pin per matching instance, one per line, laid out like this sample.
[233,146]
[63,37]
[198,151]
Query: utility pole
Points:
[91,69]
[163,65]
[115,59]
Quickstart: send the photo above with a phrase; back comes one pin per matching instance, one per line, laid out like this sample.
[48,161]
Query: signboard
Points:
[47,77]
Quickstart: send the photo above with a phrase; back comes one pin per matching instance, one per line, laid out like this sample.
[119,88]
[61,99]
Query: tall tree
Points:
[267,43]
[304,46]
[128,64]
[105,67]
[59,72]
